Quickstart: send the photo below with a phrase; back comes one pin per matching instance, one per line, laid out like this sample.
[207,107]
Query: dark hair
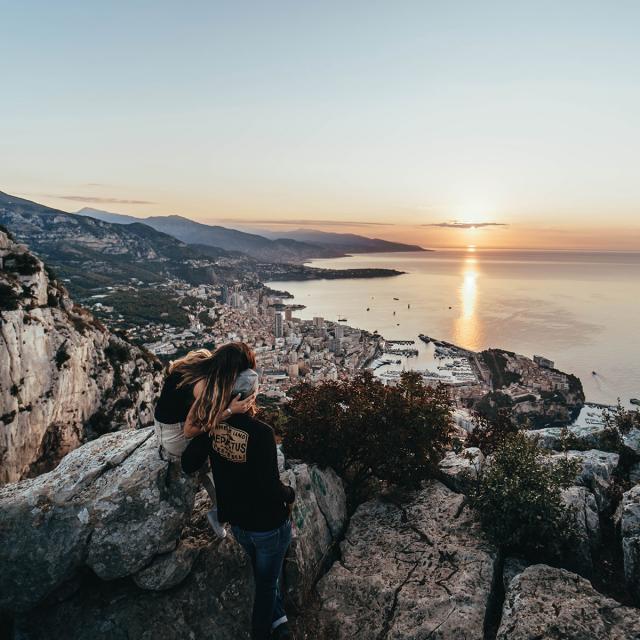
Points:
[219,371]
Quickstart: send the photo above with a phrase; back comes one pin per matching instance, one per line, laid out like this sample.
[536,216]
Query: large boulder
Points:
[319,518]
[630,533]
[460,471]
[112,505]
[555,604]
[596,473]
[416,569]
[583,505]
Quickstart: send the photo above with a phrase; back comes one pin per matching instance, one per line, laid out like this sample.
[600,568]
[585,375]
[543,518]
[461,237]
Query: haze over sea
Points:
[580,309]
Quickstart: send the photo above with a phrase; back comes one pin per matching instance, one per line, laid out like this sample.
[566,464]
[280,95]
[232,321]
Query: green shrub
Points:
[368,431]
[519,501]
[489,433]
[62,355]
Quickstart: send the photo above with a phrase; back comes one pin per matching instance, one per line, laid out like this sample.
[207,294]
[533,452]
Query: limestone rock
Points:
[460,470]
[555,604]
[630,533]
[587,520]
[631,441]
[596,473]
[634,473]
[63,377]
[111,505]
[588,436]
[213,601]
[167,570]
[414,570]
[319,517]
[511,568]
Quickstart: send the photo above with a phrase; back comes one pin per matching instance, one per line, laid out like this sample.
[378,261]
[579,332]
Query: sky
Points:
[404,120]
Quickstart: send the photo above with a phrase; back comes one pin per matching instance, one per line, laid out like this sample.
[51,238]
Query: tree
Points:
[519,499]
[490,432]
[366,430]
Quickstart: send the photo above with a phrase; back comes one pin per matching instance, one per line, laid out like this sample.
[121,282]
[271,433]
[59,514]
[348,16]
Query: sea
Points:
[579,309]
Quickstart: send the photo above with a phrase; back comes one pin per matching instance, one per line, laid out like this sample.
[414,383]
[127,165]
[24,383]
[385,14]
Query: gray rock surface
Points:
[554,604]
[168,569]
[61,370]
[512,567]
[460,470]
[596,472]
[416,570]
[584,435]
[111,505]
[587,520]
[630,534]
[319,517]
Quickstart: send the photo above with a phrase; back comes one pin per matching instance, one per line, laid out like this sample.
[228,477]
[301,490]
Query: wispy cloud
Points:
[96,200]
[465,225]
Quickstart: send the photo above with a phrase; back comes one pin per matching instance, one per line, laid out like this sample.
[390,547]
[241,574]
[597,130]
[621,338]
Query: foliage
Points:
[142,306]
[62,355]
[368,431]
[23,264]
[489,433]
[519,499]
[9,298]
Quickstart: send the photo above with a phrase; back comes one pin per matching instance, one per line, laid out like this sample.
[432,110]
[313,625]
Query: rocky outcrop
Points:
[630,533]
[460,471]
[583,505]
[596,473]
[416,569]
[110,506]
[63,377]
[319,517]
[555,604]
[109,545]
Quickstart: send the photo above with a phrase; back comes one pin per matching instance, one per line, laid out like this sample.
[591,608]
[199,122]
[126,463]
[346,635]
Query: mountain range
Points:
[274,246]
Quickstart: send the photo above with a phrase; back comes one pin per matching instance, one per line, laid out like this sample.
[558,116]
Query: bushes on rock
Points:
[519,499]
[368,431]
[489,433]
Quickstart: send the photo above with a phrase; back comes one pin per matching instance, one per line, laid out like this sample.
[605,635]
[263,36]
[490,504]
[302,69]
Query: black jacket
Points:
[244,463]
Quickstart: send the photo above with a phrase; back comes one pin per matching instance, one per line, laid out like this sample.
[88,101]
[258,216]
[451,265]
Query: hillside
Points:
[346,242]
[64,377]
[191,232]
[90,253]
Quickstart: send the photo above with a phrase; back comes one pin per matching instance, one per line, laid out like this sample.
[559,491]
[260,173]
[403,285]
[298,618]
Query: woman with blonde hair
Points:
[243,457]
[182,388]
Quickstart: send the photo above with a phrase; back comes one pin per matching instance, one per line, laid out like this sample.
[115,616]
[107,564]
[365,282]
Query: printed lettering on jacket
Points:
[230,443]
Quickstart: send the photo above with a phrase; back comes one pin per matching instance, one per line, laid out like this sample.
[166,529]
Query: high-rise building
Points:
[339,332]
[287,314]
[318,322]
[224,294]
[278,325]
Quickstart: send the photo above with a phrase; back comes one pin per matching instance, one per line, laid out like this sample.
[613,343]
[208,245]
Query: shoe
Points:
[282,632]
[212,518]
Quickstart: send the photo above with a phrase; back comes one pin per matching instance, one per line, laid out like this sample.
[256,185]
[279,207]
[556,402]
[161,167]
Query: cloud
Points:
[96,200]
[465,225]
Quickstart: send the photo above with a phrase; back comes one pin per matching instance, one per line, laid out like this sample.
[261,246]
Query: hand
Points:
[241,406]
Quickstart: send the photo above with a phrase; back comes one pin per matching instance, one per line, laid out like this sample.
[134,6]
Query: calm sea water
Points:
[581,310]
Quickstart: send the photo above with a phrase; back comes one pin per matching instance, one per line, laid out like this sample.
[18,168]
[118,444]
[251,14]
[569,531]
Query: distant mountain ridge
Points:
[93,253]
[305,243]
[192,232]
[347,242]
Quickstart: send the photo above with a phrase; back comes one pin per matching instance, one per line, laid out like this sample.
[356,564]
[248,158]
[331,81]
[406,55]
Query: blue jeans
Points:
[266,549]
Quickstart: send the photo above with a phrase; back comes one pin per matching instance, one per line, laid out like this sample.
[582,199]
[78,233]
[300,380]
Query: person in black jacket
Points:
[250,495]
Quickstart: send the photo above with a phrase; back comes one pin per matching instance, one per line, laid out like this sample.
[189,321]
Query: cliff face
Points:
[63,377]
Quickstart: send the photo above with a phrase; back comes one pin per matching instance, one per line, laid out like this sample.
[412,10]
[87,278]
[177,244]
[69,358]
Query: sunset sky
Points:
[404,120]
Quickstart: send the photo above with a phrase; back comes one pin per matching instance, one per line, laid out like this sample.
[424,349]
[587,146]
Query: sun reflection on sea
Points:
[466,327]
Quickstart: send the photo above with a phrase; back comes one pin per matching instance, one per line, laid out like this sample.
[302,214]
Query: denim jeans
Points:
[266,549]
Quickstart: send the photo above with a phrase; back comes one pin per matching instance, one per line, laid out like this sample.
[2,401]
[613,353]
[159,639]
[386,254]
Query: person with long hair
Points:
[185,382]
[243,457]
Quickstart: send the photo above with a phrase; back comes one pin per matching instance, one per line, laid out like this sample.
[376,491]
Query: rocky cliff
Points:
[114,543]
[64,378]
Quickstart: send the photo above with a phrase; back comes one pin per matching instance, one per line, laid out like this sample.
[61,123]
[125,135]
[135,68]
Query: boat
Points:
[367,308]
[342,319]
[396,298]
[408,306]
[593,373]
[635,401]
